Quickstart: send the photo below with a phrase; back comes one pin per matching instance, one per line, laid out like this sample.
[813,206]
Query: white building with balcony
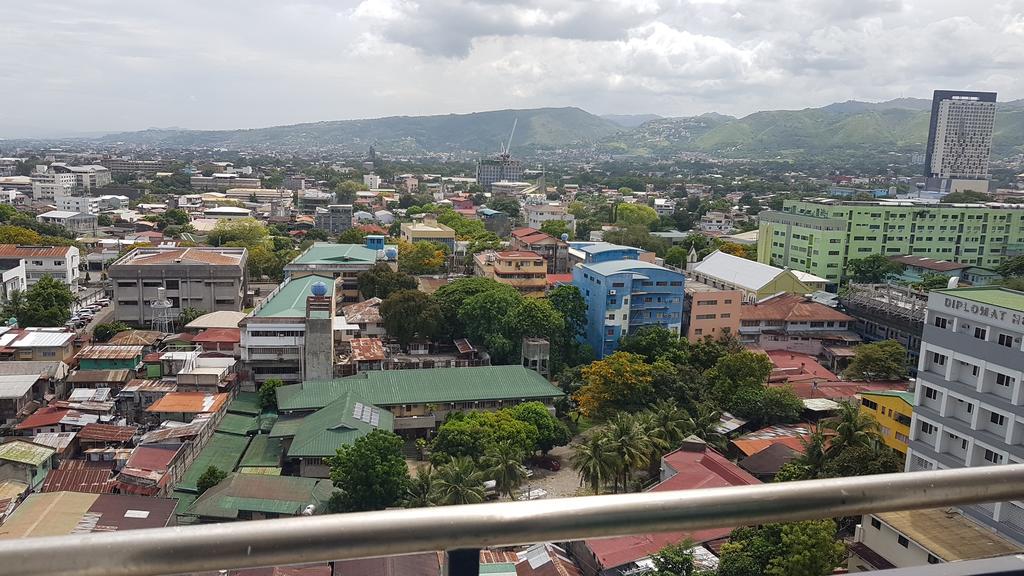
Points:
[969,400]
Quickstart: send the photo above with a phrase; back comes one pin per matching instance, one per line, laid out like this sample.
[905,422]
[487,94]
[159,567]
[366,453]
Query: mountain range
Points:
[899,125]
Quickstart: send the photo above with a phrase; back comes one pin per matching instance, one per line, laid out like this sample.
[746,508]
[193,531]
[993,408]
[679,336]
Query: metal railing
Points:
[462,530]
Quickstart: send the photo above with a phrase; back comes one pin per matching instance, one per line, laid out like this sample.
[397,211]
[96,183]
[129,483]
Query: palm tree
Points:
[420,492]
[631,445]
[705,426]
[851,427]
[505,467]
[459,482]
[595,461]
[671,423]
[815,454]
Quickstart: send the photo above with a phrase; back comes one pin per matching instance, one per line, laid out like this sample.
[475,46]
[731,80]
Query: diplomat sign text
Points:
[984,312]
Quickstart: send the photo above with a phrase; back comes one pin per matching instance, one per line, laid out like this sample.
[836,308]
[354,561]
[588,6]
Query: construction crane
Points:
[506,149]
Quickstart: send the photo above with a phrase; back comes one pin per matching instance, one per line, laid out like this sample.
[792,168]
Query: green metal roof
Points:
[991,295]
[238,424]
[184,501]
[325,253]
[263,451]
[222,451]
[425,386]
[907,397]
[286,427]
[338,424]
[266,421]
[25,453]
[284,495]
[245,403]
[290,299]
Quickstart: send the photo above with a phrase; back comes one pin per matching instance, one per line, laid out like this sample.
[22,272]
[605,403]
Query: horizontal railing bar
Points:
[210,547]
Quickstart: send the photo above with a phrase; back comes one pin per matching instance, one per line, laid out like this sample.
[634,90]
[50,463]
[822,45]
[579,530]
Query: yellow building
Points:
[430,230]
[892,409]
[525,271]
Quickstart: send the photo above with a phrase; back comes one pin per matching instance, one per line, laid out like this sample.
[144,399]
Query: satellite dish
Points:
[953,282]
[319,289]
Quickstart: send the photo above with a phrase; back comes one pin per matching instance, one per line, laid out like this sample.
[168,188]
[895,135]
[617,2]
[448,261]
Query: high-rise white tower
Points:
[960,139]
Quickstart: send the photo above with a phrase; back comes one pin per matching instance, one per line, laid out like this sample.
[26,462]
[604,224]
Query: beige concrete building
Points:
[524,271]
[429,230]
[209,279]
[709,311]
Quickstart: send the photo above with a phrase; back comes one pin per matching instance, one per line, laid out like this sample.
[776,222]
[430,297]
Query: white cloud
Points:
[116,64]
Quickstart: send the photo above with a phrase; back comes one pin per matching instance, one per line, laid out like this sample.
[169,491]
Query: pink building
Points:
[710,311]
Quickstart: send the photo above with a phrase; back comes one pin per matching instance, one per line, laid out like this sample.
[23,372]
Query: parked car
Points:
[103,302]
[547,463]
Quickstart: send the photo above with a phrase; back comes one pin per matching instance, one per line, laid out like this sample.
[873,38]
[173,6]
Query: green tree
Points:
[874,269]
[671,423]
[210,478]
[187,315]
[621,381]
[863,461]
[569,302]
[504,465]
[595,461]
[630,443]
[532,318]
[408,314]
[965,197]
[674,560]
[453,295]
[556,228]
[654,342]
[421,257]
[459,482]
[46,304]
[676,256]
[506,205]
[932,281]
[420,493]
[352,236]
[371,472]
[247,232]
[317,235]
[635,215]
[885,360]
[104,332]
[474,434]
[551,431]
[19,235]
[738,372]
[483,242]
[104,220]
[268,393]
[808,548]
[850,428]
[381,281]
[704,424]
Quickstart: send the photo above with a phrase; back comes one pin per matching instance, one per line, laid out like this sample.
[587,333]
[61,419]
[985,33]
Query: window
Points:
[1005,340]
[870,404]
[992,457]
[902,541]
[997,419]
[933,560]
[941,322]
[171,284]
[980,333]
[876,523]
[927,428]
[726,315]
[931,393]
[1004,380]
[938,359]
[902,419]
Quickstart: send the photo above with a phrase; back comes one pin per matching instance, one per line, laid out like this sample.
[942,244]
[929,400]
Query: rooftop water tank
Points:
[319,289]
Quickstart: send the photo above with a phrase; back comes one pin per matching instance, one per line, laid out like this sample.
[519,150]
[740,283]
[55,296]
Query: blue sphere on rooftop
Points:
[319,289]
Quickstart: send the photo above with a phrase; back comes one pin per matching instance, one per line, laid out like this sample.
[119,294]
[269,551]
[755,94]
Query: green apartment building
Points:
[821,236]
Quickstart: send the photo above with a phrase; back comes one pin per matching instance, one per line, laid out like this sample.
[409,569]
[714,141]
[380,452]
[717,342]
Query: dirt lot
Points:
[559,484]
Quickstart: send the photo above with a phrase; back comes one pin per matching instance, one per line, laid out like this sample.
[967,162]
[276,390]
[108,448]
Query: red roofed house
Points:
[224,340]
[795,323]
[46,419]
[153,470]
[694,465]
[809,379]
[554,250]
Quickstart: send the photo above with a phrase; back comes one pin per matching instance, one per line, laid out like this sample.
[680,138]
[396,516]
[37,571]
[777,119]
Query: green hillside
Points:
[479,132]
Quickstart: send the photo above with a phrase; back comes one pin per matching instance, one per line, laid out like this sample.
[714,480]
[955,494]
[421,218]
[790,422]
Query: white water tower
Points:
[162,321]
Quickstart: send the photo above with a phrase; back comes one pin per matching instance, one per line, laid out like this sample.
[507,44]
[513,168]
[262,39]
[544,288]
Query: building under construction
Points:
[887,312]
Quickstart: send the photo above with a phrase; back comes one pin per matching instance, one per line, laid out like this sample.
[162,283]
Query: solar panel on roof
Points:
[375,418]
[357,411]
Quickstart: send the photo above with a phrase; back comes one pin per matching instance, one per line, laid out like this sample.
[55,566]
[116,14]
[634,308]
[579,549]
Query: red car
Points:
[547,463]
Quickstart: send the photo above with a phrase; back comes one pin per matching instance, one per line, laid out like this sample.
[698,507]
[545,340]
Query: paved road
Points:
[87,297]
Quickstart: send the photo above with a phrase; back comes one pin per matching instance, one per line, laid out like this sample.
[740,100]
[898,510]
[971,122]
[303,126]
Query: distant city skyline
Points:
[115,66]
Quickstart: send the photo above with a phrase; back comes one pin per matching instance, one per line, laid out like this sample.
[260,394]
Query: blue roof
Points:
[618,266]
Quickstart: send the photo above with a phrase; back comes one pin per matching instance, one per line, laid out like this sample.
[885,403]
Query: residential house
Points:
[538,214]
[258,497]
[795,323]
[37,344]
[25,462]
[13,278]
[100,357]
[893,410]
[554,250]
[524,271]
[185,406]
[78,223]
[366,316]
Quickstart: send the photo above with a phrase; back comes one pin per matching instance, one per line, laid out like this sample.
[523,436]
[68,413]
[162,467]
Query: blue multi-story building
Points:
[625,295]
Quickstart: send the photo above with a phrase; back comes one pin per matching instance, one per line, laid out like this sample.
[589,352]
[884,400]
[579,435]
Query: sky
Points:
[81,66]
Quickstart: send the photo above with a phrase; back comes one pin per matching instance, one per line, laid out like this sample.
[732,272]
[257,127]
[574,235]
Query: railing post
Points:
[464,562]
